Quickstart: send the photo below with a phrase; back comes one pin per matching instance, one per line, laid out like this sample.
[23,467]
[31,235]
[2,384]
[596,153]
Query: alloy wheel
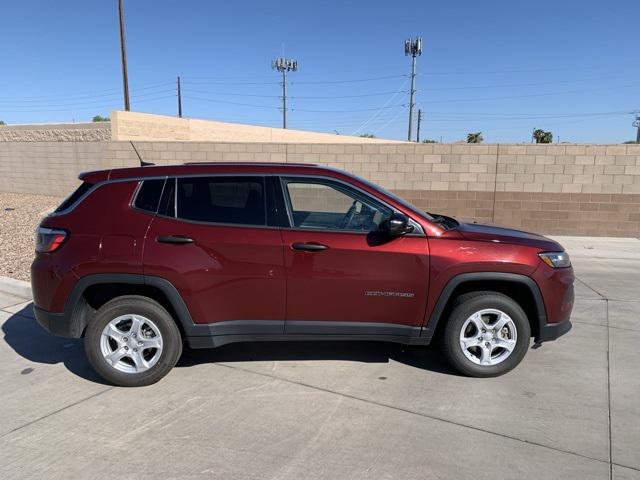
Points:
[131,343]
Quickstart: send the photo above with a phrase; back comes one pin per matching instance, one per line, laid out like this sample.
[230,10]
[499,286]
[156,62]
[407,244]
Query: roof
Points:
[204,168]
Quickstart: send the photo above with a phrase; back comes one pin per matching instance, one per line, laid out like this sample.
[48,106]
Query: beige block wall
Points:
[568,189]
[148,127]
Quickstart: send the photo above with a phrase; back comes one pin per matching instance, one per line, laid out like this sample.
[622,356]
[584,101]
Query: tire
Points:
[488,351]
[112,334]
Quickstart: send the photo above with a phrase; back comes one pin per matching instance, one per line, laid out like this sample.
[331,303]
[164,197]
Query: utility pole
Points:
[414,48]
[179,99]
[419,123]
[636,124]
[284,65]
[123,51]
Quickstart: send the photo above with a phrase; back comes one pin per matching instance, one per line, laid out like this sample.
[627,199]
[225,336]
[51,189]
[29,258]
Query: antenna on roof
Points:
[142,162]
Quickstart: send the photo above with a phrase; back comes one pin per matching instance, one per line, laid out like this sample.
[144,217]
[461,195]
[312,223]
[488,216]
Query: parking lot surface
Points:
[339,410]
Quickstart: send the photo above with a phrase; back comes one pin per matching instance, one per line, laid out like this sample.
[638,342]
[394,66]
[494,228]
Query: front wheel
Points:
[487,335]
[132,341]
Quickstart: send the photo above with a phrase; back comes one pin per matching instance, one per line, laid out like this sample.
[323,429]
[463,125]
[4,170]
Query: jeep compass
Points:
[140,261]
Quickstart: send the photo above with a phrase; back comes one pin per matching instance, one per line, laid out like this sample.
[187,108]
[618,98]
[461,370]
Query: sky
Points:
[502,67]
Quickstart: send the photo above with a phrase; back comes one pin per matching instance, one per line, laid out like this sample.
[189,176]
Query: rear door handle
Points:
[309,247]
[174,239]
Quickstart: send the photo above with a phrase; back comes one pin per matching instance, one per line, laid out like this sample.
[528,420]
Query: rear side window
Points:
[235,200]
[148,196]
[74,197]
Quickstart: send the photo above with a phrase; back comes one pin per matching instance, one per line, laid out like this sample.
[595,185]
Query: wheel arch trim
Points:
[446,294]
[73,302]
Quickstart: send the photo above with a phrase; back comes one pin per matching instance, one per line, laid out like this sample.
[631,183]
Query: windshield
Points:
[402,201]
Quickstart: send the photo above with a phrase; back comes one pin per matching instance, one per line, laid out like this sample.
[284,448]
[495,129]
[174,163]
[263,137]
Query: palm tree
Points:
[542,137]
[475,137]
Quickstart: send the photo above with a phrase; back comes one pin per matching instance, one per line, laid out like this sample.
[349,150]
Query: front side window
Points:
[326,205]
[234,200]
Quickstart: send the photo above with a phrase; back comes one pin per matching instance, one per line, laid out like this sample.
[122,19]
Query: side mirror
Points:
[397,224]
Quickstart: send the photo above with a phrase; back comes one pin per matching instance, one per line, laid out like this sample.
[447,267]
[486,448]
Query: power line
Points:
[58,97]
[383,107]
[93,107]
[358,80]
[71,104]
[292,109]
[300,97]
[535,95]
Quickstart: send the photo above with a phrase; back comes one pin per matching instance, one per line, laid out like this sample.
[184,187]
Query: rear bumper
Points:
[551,331]
[57,324]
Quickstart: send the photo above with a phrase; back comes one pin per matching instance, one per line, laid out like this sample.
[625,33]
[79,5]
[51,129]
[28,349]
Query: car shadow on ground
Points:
[425,358]
[29,340]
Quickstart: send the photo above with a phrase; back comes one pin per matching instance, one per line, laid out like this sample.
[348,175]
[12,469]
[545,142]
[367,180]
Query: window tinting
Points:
[237,200]
[149,195]
[74,197]
[328,206]
[168,202]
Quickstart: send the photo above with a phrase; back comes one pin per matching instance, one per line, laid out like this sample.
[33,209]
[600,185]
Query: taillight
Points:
[49,239]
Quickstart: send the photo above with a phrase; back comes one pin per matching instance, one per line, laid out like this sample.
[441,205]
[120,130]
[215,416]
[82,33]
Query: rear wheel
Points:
[132,341]
[487,334]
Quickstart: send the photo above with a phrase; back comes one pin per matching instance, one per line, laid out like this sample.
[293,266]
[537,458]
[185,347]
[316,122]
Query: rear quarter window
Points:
[148,196]
[74,197]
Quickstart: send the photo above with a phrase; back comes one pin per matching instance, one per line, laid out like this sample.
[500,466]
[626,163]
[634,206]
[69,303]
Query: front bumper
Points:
[551,331]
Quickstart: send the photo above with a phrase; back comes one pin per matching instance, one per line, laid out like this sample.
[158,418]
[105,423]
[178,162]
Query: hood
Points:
[490,233]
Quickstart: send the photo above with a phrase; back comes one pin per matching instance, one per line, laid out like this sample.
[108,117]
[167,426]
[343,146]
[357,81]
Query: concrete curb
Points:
[12,286]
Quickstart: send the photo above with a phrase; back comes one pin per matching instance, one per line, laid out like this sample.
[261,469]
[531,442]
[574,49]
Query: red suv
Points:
[139,260]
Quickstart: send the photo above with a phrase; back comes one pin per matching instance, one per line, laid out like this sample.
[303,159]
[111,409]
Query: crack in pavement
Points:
[424,415]
[66,407]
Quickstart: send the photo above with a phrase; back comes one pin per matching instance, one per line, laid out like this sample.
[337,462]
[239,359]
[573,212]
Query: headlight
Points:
[556,259]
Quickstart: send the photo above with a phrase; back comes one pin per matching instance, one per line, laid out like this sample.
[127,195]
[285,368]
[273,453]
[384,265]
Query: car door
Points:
[211,241]
[341,278]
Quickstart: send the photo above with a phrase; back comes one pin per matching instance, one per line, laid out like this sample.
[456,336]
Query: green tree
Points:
[541,136]
[100,118]
[475,137]
[2,122]
[429,141]
[368,135]
[627,142]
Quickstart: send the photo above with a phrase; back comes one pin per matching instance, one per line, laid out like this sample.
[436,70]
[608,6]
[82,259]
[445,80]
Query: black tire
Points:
[146,307]
[464,307]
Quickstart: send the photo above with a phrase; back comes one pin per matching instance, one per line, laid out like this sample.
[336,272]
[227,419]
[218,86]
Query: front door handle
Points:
[174,239]
[309,247]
